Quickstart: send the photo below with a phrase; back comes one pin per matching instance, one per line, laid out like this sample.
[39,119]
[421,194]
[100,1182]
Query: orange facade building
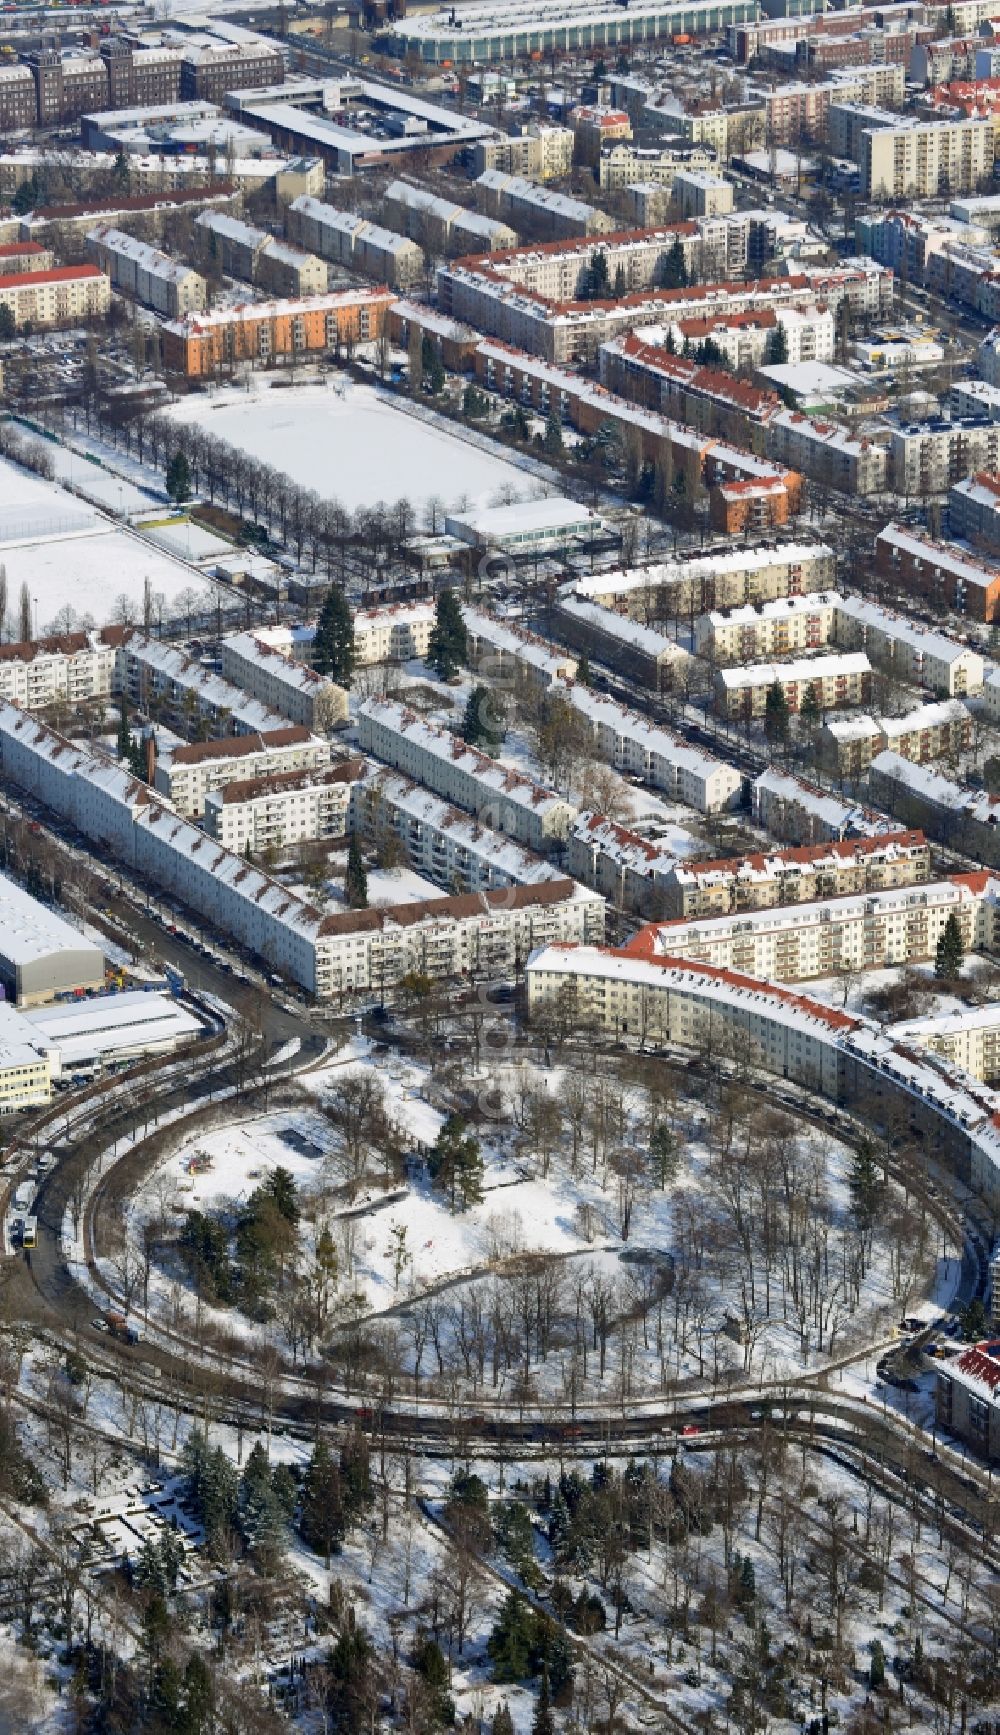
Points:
[260,334]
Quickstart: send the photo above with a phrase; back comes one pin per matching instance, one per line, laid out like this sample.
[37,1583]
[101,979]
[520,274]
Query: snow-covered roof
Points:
[721,564]
[803,669]
[934,716]
[620,626]
[677,935]
[481,841]
[779,608]
[658,743]
[942,556]
[844,816]
[515,786]
[30,930]
[151,259]
[937,789]
[213,692]
[777,863]
[551,660]
[923,640]
[259,648]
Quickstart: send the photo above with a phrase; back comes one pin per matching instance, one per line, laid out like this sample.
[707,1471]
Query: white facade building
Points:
[185,775]
[504,798]
[912,652]
[263,814]
[639,748]
[440,842]
[256,662]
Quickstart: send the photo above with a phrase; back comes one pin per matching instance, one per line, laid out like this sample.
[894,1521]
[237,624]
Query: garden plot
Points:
[352,444]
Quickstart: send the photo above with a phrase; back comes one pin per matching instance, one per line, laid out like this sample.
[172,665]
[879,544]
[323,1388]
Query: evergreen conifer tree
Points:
[950,952]
[179,478]
[447,648]
[356,879]
[333,647]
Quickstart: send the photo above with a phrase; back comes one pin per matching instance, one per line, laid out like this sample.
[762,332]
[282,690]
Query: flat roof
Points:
[30,930]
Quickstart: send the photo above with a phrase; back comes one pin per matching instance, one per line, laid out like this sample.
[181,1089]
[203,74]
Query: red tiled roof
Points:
[58,274]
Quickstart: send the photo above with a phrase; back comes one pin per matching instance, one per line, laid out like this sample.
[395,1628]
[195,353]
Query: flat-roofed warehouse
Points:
[111,1028]
[41,954]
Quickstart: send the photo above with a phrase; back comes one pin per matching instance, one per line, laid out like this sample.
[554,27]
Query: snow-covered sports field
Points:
[351,444]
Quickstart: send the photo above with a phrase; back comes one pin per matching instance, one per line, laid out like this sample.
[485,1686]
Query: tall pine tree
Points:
[333,647]
[950,953]
[356,879]
[447,649]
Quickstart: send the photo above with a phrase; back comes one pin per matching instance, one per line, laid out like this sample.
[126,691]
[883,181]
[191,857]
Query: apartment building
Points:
[504,799]
[440,842]
[624,163]
[511,654]
[795,876]
[439,224]
[991,695]
[69,668]
[766,630]
[948,577]
[928,457]
[638,652]
[874,931]
[536,210]
[66,85]
[255,662]
[187,774]
[477,936]
[681,1002]
[910,652]
[254,255]
[21,256]
[707,398]
[595,125]
[796,811]
[699,193]
[265,815]
[719,579]
[347,239]
[63,296]
[921,159]
[660,441]
[628,870]
[172,688]
[847,745]
[18,100]
[204,344]
[639,748]
[836,681]
[208,72]
[135,268]
[967,1398]
[964,819]
[974,509]
[827,452]
[541,153]
[563,327]
[969,1038]
[394,634]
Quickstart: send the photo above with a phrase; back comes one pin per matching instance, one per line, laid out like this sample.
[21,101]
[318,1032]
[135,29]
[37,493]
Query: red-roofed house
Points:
[57,297]
[967,1400]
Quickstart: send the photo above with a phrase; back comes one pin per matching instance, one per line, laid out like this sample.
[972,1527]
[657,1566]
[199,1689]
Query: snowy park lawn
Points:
[351,444]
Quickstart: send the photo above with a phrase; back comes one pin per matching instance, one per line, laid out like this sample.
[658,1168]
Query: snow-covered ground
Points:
[70,556]
[355,445]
